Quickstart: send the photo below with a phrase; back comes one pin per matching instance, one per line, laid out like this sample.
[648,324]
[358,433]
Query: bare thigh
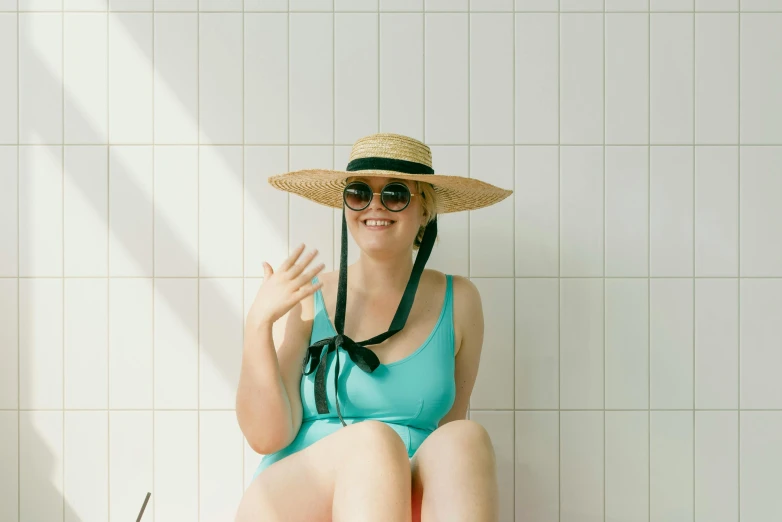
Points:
[300,487]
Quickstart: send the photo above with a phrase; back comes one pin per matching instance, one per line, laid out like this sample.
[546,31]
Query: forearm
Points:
[262,404]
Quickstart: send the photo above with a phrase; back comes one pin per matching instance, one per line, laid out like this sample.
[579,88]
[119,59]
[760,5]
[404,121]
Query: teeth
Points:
[374,223]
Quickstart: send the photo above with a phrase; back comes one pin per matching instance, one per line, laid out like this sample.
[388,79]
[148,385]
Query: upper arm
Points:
[468,320]
[291,334]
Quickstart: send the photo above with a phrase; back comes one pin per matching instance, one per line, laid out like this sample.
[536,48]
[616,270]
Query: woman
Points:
[406,398]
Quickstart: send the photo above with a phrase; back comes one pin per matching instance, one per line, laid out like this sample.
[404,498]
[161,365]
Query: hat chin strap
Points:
[363,357]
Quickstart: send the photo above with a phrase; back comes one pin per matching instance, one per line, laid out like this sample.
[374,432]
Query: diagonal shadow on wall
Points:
[34,442]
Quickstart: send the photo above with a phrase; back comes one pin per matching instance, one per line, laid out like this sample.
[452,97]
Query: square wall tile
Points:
[9,210]
[265,77]
[582,466]
[717,78]
[221,324]
[760,465]
[760,211]
[41,343]
[581,344]
[176,113]
[494,384]
[581,83]
[86,213]
[220,45]
[671,343]
[500,425]
[356,75]
[537,78]
[41,456]
[131,463]
[537,466]
[626,344]
[627,466]
[220,461]
[717,343]
[220,211]
[41,64]
[132,86]
[716,466]
[9,465]
[626,78]
[581,200]
[131,348]
[626,211]
[536,197]
[491,78]
[760,332]
[537,343]
[446,77]
[716,211]
[491,228]
[671,211]
[761,78]
[86,350]
[86,465]
[9,344]
[40,211]
[176,343]
[671,460]
[311,76]
[131,211]
[86,71]
[671,75]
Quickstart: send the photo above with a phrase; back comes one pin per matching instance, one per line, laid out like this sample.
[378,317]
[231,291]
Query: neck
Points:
[376,276]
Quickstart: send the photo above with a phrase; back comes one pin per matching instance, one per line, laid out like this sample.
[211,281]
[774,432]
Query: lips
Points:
[377,227]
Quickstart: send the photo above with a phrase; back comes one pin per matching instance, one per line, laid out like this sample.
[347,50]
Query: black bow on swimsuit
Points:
[317,354]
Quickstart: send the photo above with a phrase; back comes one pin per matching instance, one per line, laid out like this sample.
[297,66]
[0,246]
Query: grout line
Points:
[154,278]
[694,253]
[62,252]
[738,268]
[419,11]
[766,278]
[198,261]
[513,267]
[559,260]
[243,282]
[496,144]
[604,259]
[18,282]
[108,272]
[766,410]
[649,265]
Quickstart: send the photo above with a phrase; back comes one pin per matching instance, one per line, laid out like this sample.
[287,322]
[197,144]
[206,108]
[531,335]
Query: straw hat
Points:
[394,156]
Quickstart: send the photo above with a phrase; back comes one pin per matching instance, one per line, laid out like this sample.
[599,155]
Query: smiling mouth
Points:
[364,222]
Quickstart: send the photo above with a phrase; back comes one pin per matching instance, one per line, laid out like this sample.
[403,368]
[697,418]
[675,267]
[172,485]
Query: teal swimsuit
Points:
[411,395]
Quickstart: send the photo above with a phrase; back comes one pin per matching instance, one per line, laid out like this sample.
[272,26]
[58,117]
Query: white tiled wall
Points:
[632,285]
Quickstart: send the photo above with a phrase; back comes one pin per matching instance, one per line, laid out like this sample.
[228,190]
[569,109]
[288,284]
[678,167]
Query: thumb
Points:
[267,270]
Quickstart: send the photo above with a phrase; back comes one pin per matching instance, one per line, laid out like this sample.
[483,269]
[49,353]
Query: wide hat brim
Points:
[454,193]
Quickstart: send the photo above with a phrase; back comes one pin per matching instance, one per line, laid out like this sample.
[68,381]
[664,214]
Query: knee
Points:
[466,437]
[375,438]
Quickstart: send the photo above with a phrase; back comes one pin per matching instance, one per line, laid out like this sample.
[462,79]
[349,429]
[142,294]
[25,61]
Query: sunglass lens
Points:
[357,195]
[396,196]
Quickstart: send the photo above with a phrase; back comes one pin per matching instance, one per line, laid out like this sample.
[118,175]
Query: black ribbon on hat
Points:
[316,355]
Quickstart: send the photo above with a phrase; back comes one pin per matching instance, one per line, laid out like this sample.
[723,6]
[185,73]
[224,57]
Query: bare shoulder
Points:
[467,309]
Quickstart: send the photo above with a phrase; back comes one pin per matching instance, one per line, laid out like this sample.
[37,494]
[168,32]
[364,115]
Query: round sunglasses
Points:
[395,196]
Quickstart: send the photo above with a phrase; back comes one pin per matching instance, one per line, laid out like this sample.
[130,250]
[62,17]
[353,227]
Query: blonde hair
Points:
[428,208]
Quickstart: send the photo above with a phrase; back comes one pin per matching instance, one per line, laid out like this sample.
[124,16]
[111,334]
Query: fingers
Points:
[292,258]
[308,289]
[309,274]
[298,267]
